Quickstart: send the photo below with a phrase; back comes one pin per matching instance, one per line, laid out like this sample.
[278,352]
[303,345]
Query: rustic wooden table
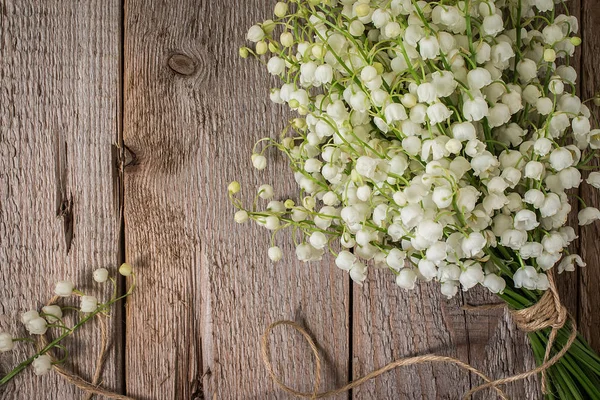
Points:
[120,127]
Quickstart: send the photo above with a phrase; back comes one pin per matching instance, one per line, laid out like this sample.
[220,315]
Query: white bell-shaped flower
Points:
[494,283]
[406,279]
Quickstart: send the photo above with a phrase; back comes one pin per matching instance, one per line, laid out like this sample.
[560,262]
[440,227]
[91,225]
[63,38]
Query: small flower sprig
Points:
[38,323]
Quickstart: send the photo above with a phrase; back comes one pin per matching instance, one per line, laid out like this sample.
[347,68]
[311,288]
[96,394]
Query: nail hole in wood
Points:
[182,64]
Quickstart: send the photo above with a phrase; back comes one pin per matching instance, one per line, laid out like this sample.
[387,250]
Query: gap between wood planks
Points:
[123,162]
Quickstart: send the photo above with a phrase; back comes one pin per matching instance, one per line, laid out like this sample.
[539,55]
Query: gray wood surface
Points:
[59,210]
[191,111]
[205,283]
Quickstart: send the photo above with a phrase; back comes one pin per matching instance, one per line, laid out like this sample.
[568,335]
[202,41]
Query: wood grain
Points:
[589,299]
[59,218]
[390,323]
[192,111]
[205,283]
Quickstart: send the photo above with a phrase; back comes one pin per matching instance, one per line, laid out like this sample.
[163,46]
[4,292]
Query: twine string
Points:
[90,388]
[403,362]
[547,312]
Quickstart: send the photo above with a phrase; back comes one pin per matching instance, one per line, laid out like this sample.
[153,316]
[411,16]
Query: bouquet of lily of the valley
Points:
[437,140]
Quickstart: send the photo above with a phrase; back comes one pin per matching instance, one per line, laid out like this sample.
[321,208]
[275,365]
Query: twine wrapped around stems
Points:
[90,388]
[547,312]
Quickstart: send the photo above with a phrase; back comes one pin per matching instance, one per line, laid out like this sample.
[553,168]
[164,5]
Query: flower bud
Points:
[318,240]
[556,86]
[261,48]
[88,304]
[345,260]
[272,223]
[241,216]
[52,313]
[549,55]
[286,39]
[281,9]
[125,269]
[63,288]
[255,34]
[37,326]
[362,10]
[42,365]
[392,30]
[259,161]
[275,254]
[265,192]
[28,316]
[408,100]
[356,28]
[234,187]
[276,66]
[6,342]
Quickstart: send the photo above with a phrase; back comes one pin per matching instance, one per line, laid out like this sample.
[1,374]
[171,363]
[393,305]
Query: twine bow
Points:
[547,312]
[90,388]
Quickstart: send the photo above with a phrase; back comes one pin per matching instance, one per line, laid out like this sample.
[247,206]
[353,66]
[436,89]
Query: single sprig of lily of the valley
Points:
[51,317]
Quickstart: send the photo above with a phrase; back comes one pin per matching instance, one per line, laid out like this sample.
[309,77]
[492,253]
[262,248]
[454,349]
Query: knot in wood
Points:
[182,64]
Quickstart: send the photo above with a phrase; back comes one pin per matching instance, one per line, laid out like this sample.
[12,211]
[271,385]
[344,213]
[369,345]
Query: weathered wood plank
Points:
[390,323]
[205,282]
[59,216]
[498,347]
[589,300]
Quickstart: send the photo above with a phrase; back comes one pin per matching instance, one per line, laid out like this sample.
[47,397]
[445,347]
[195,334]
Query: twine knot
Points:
[546,313]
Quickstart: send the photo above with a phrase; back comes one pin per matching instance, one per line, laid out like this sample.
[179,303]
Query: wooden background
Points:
[121,124]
